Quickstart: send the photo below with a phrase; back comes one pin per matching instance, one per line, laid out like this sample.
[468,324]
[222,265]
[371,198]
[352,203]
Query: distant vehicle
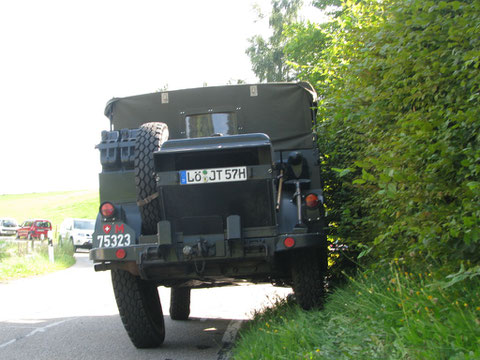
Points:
[78,231]
[8,226]
[34,229]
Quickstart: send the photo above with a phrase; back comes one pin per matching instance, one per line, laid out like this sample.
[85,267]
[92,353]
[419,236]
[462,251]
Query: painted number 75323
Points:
[114,240]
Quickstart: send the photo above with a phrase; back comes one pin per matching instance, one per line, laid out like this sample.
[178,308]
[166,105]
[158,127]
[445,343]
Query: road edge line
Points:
[228,339]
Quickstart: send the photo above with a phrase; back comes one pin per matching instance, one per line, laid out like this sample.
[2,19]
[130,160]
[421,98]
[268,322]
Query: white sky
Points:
[61,61]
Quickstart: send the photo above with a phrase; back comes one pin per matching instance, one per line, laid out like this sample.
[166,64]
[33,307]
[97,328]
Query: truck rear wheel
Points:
[179,303]
[140,309]
[308,269]
[149,139]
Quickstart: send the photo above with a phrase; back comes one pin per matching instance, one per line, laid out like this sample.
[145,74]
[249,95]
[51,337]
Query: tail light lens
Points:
[120,254]
[289,242]
[312,201]
[107,210]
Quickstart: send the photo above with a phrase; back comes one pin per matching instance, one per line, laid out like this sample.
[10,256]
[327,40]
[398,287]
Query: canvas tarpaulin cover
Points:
[283,111]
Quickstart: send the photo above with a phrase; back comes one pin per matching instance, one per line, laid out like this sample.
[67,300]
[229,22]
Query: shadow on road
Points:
[72,314]
[104,337]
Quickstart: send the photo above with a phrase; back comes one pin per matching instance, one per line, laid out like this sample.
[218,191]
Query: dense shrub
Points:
[399,127]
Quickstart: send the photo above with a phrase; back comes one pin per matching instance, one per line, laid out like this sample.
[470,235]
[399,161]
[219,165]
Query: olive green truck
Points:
[209,187]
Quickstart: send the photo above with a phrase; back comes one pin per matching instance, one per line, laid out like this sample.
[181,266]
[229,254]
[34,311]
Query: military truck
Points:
[209,187]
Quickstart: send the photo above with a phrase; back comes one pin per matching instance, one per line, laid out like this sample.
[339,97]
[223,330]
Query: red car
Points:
[34,229]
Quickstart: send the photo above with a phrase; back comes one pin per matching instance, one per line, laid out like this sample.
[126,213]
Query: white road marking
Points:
[36,330]
[231,332]
[228,339]
[44,328]
[7,343]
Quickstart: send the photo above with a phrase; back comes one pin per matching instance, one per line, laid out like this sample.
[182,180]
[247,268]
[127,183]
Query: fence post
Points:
[51,255]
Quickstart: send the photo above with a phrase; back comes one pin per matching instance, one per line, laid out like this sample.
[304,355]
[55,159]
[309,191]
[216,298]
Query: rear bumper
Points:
[241,258]
[37,234]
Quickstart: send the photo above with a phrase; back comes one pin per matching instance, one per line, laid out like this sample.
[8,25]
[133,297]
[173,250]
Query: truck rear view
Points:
[209,187]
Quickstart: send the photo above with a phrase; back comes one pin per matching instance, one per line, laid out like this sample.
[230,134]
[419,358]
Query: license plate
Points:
[113,240]
[208,176]
[111,235]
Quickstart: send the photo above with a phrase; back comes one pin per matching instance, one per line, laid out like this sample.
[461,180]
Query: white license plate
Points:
[113,240]
[208,176]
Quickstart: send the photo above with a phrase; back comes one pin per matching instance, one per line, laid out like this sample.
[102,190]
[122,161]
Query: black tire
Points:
[180,303]
[140,309]
[308,268]
[149,139]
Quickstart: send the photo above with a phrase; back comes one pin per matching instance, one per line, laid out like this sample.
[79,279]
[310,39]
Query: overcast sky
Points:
[61,61]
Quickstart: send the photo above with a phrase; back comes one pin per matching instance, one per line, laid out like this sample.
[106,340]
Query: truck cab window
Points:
[203,125]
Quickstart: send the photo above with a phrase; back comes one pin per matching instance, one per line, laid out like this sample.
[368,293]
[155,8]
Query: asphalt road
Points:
[72,314]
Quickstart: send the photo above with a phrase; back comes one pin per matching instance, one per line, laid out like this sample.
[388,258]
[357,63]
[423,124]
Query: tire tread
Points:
[149,139]
[180,303]
[308,277]
[140,309]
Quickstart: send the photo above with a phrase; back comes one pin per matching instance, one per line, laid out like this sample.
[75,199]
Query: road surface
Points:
[72,314]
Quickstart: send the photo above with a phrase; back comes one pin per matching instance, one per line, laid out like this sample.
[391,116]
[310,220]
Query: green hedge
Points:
[399,128]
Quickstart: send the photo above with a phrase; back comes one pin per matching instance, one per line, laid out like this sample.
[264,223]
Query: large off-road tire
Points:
[179,303]
[140,309]
[308,267]
[149,139]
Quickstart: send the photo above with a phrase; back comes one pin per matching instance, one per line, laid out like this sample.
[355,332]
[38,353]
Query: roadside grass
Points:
[390,314]
[17,260]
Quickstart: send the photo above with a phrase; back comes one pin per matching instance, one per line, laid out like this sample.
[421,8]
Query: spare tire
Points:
[149,139]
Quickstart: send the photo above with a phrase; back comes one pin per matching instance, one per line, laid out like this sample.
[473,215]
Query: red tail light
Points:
[289,242]
[107,210]
[120,253]
[312,201]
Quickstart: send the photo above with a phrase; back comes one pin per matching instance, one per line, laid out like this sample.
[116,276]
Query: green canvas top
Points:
[283,111]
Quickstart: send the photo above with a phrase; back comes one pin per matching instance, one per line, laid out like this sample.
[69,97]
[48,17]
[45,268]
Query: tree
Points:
[266,55]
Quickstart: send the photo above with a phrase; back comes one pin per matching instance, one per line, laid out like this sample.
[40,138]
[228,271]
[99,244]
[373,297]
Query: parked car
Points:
[8,226]
[35,229]
[78,231]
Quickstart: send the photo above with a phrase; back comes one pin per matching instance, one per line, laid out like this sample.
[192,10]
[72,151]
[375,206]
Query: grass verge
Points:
[54,206]
[390,314]
[17,260]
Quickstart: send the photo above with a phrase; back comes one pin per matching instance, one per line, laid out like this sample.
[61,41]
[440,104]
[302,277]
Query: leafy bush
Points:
[399,128]
[399,133]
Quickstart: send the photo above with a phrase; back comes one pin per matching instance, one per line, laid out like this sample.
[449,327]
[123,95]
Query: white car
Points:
[78,231]
[8,226]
